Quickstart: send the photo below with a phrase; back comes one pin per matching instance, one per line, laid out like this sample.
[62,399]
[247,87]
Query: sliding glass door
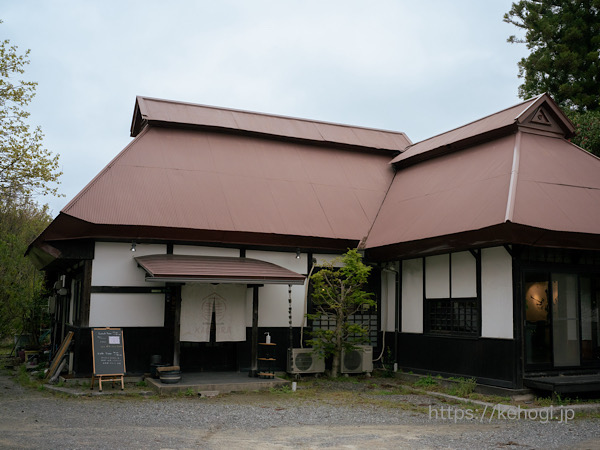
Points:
[590,319]
[565,320]
[538,337]
[561,320]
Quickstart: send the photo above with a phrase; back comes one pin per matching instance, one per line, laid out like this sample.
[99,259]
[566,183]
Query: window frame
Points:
[453,327]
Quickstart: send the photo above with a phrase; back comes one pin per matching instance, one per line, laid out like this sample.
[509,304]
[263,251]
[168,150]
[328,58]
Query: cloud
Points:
[417,67]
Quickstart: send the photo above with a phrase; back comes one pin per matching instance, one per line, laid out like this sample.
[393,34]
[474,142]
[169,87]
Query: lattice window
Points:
[366,320]
[453,316]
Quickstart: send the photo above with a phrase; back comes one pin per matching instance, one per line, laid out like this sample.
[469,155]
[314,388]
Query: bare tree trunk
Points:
[337,356]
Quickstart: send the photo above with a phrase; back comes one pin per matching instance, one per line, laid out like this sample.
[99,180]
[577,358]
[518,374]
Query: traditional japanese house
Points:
[199,236]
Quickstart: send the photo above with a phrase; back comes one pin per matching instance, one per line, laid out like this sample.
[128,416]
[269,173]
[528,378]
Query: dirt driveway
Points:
[343,416]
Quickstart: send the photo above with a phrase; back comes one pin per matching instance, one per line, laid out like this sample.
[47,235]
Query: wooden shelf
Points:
[266,375]
[266,360]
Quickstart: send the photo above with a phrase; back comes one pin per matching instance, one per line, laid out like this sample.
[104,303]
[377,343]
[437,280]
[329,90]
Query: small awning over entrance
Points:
[215,269]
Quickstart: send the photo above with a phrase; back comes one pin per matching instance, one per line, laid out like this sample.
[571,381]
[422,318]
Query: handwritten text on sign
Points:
[108,354]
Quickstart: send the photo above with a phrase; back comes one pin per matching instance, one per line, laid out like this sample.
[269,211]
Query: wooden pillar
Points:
[254,355]
[176,296]
[86,294]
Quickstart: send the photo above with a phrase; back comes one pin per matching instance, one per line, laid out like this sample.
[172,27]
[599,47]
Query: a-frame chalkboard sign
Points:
[108,356]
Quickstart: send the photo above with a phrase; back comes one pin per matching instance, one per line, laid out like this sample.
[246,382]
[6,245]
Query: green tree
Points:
[338,294]
[22,302]
[26,167]
[563,37]
[587,129]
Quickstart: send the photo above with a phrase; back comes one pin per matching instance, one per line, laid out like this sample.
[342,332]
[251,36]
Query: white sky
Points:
[421,67]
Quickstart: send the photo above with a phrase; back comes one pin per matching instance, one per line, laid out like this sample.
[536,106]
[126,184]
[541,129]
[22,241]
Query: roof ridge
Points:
[277,116]
[514,178]
[530,101]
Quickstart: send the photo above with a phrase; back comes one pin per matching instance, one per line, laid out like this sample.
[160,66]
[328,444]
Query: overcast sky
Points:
[421,67]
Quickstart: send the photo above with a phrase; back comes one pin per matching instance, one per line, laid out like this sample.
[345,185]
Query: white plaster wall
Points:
[273,306]
[464,275]
[204,251]
[287,260]
[437,276]
[127,310]
[113,264]
[496,293]
[412,296]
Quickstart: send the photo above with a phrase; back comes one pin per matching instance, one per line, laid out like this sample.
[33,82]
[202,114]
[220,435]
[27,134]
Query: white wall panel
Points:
[437,276]
[204,251]
[287,260]
[464,275]
[496,293]
[113,264]
[127,310]
[412,296]
[273,306]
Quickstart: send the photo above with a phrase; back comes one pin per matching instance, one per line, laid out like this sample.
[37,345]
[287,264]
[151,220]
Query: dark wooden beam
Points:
[86,294]
[127,290]
[254,353]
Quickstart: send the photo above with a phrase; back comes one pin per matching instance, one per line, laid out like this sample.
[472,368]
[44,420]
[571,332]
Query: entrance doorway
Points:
[561,320]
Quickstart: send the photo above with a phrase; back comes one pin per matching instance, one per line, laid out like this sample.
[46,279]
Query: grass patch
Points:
[285,389]
[426,382]
[464,387]
[24,379]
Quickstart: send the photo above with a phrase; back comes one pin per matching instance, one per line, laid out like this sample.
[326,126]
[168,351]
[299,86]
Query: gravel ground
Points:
[344,417]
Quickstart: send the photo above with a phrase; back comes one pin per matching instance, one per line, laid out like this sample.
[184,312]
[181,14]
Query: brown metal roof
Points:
[215,269]
[462,191]
[165,112]
[557,186]
[202,180]
[538,182]
[472,186]
[492,126]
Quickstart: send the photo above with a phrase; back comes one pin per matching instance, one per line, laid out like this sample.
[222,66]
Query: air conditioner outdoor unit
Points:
[359,360]
[303,360]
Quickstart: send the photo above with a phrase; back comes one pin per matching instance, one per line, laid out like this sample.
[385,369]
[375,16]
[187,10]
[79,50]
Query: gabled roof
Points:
[207,181]
[530,186]
[203,174]
[539,114]
[209,175]
[188,115]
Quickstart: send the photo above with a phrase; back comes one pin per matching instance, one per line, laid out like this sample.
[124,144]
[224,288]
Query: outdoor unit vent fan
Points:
[359,360]
[303,360]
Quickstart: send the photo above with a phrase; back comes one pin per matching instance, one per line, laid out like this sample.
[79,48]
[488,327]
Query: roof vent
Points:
[541,118]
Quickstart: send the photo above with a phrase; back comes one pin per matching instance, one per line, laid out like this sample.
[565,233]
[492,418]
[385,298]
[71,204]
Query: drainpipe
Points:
[175,293]
[291,337]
